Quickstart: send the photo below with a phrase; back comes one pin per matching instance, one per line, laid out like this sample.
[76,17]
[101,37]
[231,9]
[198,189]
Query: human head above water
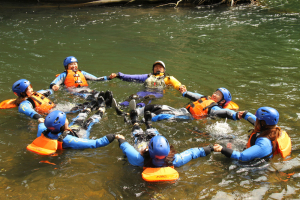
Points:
[20,86]
[70,60]
[158,66]
[159,149]
[267,114]
[55,120]
[220,95]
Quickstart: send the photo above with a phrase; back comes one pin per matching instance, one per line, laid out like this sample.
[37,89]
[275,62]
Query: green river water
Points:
[254,51]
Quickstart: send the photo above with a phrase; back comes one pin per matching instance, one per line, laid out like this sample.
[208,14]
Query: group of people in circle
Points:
[149,149]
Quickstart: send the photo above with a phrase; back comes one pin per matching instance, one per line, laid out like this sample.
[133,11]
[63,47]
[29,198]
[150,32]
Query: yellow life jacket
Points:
[44,146]
[160,174]
[9,103]
[75,79]
[42,104]
[284,144]
[199,108]
[170,80]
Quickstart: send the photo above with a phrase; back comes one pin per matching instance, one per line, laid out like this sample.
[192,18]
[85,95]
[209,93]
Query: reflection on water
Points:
[252,51]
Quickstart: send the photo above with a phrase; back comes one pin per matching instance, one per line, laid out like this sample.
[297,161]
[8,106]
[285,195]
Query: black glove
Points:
[208,149]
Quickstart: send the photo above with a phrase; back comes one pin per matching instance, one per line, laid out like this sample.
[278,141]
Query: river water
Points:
[254,51]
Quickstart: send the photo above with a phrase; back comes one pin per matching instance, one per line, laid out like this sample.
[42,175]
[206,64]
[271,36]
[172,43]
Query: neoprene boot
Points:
[133,116]
[108,96]
[148,119]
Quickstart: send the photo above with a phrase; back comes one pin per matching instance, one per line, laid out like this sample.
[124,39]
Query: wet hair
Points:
[168,160]
[266,130]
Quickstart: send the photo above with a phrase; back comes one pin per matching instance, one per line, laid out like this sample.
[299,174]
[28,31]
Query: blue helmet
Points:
[55,120]
[268,114]
[20,86]
[69,60]
[226,95]
[159,148]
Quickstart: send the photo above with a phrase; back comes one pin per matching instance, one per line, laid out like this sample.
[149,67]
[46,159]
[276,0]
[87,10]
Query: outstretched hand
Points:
[119,137]
[55,87]
[182,89]
[217,148]
[113,75]
[240,114]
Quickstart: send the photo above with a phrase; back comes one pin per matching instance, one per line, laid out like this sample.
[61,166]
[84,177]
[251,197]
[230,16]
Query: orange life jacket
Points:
[42,103]
[9,103]
[44,146]
[231,106]
[200,107]
[75,79]
[160,174]
[284,144]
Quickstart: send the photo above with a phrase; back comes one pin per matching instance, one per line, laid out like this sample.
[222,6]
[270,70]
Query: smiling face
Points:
[158,67]
[73,66]
[217,96]
[29,91]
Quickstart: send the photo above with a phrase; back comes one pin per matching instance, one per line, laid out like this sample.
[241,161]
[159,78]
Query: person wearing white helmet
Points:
[154,82]
[75,80]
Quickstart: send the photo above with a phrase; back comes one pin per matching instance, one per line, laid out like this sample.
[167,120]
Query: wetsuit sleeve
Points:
[262,148]
[170,80]
[26,108]
[192,96]
[223,113]
[188,155]
[41,128]
[134,157]
[78,143]
[59,80]
[46,93]
[249,117]
[90,77]
[132,78]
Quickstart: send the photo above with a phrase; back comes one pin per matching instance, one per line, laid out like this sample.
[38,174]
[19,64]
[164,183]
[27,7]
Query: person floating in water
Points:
[31,103]
[265,141]
[152,150]
[56,133]
[218,105]
[75,80]
[154,82]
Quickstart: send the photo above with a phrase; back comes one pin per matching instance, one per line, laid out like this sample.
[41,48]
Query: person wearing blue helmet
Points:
[266,139]
[56,133]
[154,83]
[75,80]
[153,150]
[218,105]
[31,103]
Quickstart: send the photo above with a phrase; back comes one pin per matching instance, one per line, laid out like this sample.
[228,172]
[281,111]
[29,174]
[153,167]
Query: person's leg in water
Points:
[82,128]
[94,104]
[141,138]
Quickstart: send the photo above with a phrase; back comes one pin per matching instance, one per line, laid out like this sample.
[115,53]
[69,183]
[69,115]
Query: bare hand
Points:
[55,87]
[113,75]
[182,89]
[41,120]
[240,114]
[119,137]
[217,148]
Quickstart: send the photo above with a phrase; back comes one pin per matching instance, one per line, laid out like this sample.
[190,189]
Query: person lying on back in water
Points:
[218,105]
[155,83]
